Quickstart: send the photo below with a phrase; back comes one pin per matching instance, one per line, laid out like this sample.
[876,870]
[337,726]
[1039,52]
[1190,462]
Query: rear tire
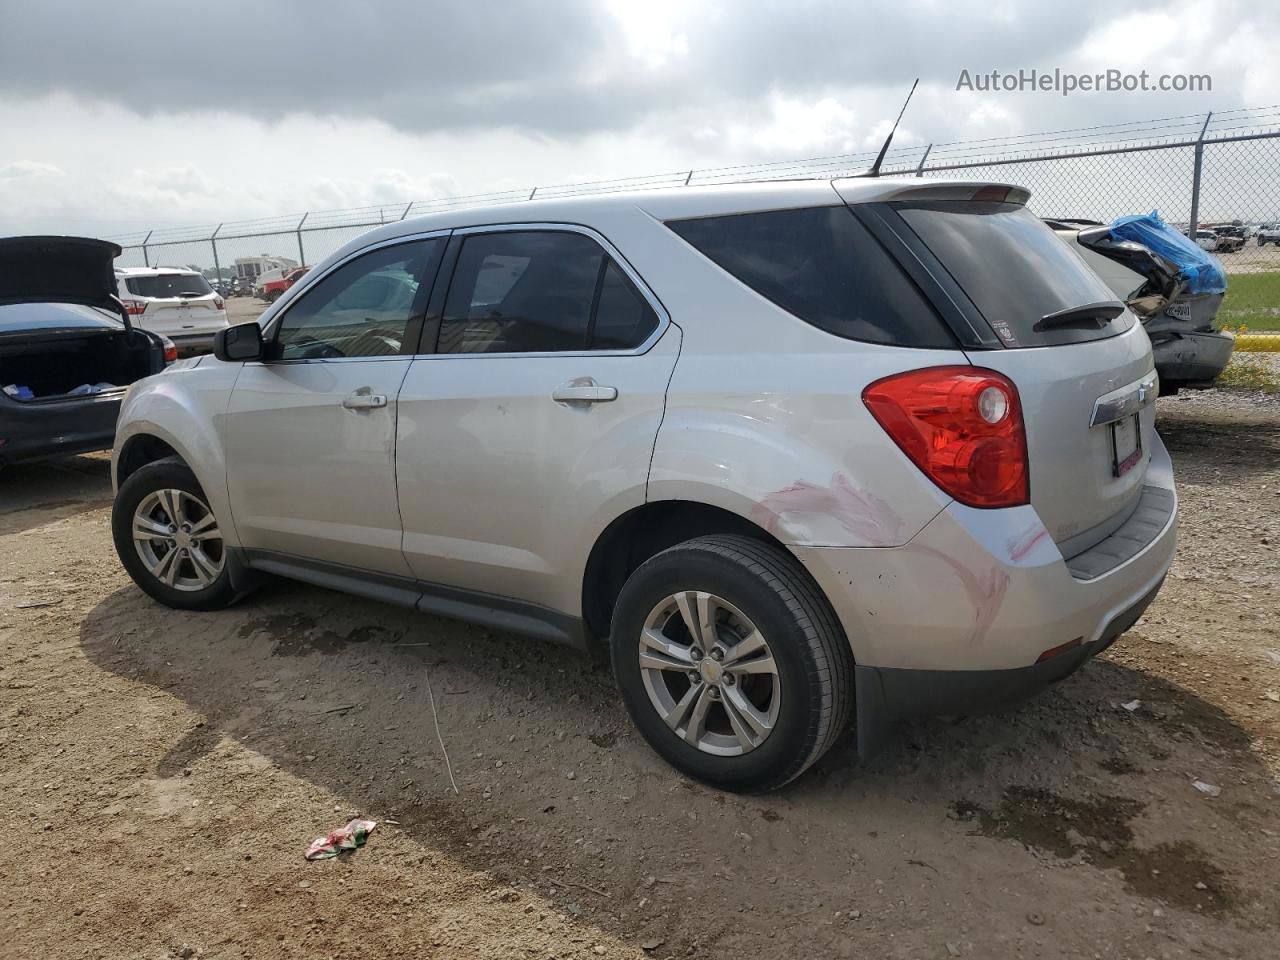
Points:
[168,540]
[774,690]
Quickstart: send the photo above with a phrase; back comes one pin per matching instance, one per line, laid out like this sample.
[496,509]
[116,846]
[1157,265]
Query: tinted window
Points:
[521,293]
[822,265]
[363,308]
[1013,268]
[169,285]
[624,319]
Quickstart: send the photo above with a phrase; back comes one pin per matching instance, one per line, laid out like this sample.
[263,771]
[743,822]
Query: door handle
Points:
[362,399]
[584,393]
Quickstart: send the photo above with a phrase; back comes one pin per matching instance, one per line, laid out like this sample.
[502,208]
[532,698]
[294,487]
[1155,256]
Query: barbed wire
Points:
[1030,147]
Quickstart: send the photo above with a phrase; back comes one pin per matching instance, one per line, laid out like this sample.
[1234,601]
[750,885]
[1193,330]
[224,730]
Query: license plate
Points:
[1126,445]
[1179,310]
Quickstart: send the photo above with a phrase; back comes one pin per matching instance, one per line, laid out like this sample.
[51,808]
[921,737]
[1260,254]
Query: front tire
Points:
[168,538]
[731,662]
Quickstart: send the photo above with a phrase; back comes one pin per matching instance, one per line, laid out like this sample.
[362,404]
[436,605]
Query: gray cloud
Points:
[549,67]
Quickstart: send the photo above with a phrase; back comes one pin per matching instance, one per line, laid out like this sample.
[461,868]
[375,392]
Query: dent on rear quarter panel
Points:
[800,455]
[183,406]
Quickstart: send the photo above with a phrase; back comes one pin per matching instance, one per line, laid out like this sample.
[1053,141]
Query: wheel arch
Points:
[138,451]
[142,442]
[642,532]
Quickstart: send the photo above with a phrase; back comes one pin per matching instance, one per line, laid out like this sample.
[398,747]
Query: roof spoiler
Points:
[60,270]
[972,192]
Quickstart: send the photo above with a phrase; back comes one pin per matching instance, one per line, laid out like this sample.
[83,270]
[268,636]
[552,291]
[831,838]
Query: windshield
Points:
[165,285]
[1014,269]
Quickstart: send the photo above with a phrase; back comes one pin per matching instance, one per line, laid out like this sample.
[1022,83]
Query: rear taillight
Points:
[135,307]
[170,350]
[962,426]
[218,303]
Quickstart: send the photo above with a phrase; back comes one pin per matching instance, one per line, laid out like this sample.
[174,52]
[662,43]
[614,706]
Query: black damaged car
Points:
[67,350]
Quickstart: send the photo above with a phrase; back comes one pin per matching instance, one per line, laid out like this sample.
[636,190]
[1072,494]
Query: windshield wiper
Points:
[1102,312]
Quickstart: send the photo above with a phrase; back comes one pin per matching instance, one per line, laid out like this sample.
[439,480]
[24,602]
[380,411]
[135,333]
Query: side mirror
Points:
[239,343]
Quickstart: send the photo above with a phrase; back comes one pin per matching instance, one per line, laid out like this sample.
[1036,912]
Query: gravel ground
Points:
[163,773]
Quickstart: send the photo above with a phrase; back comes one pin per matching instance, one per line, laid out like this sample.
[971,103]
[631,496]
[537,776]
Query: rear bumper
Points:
[956,620]
[35,430]
[1192,357]
[886,695]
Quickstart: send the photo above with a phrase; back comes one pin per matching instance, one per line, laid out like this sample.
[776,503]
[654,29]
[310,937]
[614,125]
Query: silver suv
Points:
[794,452]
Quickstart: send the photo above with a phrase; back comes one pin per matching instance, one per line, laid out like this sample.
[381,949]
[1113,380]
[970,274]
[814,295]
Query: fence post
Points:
[213,242]
[1194,224]
[146,259]
[302,255]
[923,158]
[407,209]
[532,192]
[688,178]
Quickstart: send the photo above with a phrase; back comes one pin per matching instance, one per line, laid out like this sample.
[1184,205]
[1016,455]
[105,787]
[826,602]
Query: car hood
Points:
[76,270]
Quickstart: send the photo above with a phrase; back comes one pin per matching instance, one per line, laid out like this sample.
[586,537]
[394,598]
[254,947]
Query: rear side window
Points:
[167,285]
[623,318]
[823,266]
[540,292]
[1014,269]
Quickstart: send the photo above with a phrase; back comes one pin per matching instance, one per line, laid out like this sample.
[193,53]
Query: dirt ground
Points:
[162,774]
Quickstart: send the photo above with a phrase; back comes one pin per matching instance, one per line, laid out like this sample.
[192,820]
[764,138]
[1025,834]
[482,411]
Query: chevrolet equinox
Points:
[801,455]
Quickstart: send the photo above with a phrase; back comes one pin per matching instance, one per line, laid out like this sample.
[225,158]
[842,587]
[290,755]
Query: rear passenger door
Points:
[532,423]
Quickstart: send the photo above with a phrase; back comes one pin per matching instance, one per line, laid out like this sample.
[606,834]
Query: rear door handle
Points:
[363,399]
[584,393]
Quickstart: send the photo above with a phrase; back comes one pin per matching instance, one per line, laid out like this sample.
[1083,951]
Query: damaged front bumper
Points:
[1190,358]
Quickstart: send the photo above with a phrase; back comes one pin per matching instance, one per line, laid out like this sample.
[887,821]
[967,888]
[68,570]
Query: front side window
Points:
[540,292]
[362,309]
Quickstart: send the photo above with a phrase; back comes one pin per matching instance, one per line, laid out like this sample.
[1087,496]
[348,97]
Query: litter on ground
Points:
[353,835]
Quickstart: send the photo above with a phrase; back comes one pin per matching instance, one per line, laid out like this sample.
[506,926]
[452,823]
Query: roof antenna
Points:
[875,167]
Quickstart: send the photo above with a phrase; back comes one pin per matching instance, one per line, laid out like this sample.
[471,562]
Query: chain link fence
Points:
[1207,175]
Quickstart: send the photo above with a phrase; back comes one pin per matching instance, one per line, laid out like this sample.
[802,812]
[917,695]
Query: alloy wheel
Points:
[178,540]
[709,673]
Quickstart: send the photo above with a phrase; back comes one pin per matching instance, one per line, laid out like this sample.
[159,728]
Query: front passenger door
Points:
[310,432]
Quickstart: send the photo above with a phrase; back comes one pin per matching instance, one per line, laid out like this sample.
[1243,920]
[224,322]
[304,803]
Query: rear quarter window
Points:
[1013,268]
[821,265]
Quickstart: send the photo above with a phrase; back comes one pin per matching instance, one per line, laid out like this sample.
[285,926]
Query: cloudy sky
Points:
[126,115]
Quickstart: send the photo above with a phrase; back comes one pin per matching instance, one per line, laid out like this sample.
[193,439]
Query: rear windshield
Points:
[169,285]
[1014,269]
[823,266]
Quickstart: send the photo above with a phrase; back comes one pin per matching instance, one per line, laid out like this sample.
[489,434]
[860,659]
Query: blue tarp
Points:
[1200,269]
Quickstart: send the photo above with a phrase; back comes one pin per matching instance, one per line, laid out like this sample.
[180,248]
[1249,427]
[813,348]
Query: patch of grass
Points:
[1250,373]
[1252,301]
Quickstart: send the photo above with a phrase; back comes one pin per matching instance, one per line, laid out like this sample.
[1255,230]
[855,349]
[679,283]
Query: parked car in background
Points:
[1269,234]
[1206,240]
[1230,238]
[737,434]
[272,288]
[1189,346]
[176,302]
[68,349]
